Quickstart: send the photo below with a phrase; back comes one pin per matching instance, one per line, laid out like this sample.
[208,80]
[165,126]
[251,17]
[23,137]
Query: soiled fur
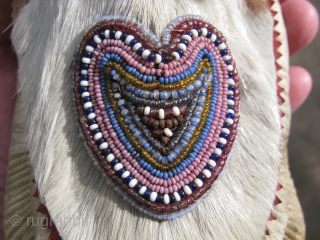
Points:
[45,37]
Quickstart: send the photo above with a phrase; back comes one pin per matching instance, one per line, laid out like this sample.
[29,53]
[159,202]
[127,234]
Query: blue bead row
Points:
[102,143]
[198,146]
[157,58]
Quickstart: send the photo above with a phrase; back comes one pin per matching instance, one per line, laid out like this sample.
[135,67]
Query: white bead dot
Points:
[186,37]
[194,33]
[225,130]
[146,111]
[87,105]
[117,35]
[230,111]
[142,190]
[176,111]
[129,39]
[136,47]
[103,145]
[229,68]
[204,32]
[198,182]
[84,72]
[153,196]
[93,126]
[218,151]
[222,46]
[230,92]
[89,48]
[86,60]
[230,102]
[229,120]
[84,83]
[167,132]
[161,113]
[166,199]
[213,37]
[125,174]
[118,166]
[187,189]
[222,141]
[226,57]
[107,34]
[85,94]
[158,58]
[91,115]
[206,173]
[97,39]
[176,196]
[110,157]
[97,136]
[133,182]
[145,54]
[231,82]
[212,163]
[182,46]
[175,55]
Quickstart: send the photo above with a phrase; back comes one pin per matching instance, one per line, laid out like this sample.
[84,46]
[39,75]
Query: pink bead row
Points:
[145,67]
[143,176]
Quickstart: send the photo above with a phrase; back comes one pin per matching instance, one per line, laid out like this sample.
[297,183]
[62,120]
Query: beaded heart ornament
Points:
[158,117]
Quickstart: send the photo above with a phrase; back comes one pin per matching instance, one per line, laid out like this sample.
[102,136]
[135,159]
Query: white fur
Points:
[45,38]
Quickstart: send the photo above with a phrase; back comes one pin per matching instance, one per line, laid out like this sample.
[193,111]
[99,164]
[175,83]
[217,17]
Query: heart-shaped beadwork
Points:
[159,118]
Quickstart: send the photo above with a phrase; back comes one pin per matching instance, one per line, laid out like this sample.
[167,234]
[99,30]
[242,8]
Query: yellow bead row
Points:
[145,154]
[156,85]
[199,129]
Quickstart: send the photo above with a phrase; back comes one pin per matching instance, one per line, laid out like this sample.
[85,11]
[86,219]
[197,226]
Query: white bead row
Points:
[175,109]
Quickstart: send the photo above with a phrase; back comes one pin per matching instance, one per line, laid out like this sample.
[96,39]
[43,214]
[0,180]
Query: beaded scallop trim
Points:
[159,118]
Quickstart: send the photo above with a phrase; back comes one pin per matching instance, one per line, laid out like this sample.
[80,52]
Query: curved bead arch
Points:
[126,85]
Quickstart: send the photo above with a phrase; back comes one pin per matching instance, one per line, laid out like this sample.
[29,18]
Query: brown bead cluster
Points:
[157,125]
[172,123]
[187,200]
[106,167]
[154,112]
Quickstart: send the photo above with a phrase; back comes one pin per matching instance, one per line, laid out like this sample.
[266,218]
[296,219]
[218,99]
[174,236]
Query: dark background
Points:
[304,141]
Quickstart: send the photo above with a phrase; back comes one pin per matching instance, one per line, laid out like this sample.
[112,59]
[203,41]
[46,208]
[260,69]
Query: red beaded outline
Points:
[104,166]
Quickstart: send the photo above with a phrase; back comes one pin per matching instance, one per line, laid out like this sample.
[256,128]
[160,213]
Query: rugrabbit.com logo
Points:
[46,222]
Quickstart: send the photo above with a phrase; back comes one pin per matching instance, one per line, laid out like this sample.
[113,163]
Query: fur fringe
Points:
[72,187]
